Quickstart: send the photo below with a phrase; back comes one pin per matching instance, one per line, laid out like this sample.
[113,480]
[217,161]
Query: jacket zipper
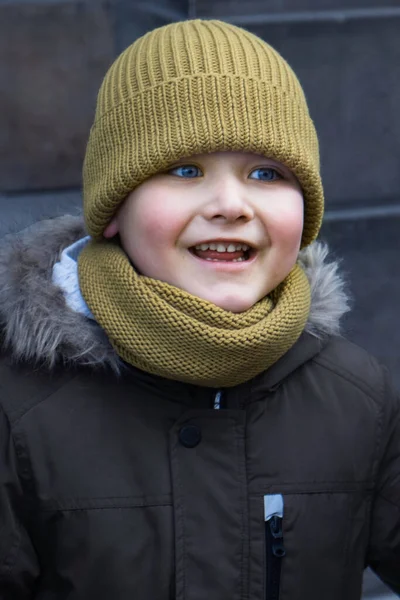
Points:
[217,404]
[274,551]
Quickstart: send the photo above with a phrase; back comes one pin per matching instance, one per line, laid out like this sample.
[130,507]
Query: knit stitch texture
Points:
[166,331]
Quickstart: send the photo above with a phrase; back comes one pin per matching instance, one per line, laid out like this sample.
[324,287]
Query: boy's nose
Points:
[230,203]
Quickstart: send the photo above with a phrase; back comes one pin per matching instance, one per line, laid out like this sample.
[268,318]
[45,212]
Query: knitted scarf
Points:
[168,332]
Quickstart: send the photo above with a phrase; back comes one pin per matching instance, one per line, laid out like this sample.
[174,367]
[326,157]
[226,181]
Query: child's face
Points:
[226,199]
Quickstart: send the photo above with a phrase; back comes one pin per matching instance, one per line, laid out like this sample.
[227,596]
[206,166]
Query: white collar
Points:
[65,276]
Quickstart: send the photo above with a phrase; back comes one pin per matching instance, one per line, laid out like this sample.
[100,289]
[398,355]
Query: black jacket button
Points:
[190,436]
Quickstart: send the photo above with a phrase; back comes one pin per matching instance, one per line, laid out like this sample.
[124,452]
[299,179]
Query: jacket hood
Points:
[38,326]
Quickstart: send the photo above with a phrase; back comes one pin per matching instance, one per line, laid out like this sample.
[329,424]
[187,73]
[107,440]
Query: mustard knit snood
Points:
[168,332]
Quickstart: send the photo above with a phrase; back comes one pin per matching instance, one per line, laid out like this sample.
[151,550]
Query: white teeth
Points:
[221,247]
[241,259]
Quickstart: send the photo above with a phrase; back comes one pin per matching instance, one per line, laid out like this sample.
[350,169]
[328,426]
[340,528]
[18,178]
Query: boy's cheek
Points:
[286,230]
[160,228]
[148,220]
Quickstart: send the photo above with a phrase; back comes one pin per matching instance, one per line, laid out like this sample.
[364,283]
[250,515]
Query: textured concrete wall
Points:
[132,19]
[219,8]
[53,57]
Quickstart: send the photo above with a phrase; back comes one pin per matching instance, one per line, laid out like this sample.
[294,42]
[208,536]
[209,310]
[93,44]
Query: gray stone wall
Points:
[53,56]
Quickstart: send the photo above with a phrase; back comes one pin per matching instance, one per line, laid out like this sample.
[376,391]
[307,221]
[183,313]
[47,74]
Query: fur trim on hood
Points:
[38,326]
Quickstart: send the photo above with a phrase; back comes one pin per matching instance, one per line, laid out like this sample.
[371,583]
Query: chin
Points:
[235,305]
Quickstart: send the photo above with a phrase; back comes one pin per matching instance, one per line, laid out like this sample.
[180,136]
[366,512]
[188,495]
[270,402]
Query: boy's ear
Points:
[111,229]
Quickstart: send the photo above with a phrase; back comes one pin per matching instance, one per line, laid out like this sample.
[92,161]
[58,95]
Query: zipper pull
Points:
[275,525]
[217,400]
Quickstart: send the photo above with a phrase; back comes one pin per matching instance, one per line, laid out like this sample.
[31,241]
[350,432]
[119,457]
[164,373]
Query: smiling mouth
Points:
[223,252]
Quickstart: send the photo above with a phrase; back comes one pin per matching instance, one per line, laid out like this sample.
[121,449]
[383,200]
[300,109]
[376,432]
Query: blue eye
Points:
[266,174]
[186,171]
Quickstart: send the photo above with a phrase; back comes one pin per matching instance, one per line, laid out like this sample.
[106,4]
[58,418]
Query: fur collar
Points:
[38,326]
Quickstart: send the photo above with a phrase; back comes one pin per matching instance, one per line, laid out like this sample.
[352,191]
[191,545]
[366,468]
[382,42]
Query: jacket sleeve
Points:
[18,561]
[384,548]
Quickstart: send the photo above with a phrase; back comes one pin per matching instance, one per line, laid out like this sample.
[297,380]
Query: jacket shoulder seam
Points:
[44,398]
[14,416]
[397,506]
[350,377]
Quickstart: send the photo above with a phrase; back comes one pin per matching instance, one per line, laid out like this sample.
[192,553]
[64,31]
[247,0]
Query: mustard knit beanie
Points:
[196,87]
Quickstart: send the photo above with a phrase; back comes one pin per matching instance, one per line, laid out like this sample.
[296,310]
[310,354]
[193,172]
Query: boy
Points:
[194,426]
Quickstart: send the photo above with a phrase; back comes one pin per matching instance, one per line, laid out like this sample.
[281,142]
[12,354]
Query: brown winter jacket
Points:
[131,486]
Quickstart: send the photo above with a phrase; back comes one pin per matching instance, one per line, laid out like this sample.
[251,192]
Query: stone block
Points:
[133,19]
[53,58]
[19,211]
[369,248]
[233,9]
